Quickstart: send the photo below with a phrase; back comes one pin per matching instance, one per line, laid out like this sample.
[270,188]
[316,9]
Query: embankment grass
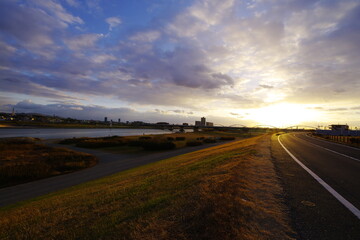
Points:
[225,192]
[23,160]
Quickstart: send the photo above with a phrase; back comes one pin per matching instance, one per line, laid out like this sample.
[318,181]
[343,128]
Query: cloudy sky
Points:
[275,62]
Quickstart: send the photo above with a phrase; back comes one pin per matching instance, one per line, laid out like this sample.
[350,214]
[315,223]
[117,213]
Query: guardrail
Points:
[349,140]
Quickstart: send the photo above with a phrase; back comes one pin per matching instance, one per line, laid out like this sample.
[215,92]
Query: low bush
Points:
[112,137]
[73,140]
[135,143]
[99,143]
[209,140]
[22,162]
[145,138]
[180,138]
[194,143]
[170,138]
[85,139]
[227,138]
[21,140]
[65,161]
[152,146]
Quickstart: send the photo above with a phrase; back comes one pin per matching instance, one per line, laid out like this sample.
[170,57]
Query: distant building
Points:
[339,130]
[105,119]
[185,124]
[137,123]
[339,127]
[203,121]
[119,120]
[162,123]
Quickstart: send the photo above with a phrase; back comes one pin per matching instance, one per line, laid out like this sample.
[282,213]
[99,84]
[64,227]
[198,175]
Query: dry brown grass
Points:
[23,160]
[224,192]
[238,199]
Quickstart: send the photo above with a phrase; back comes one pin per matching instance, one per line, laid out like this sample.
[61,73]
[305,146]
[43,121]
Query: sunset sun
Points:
[284,115]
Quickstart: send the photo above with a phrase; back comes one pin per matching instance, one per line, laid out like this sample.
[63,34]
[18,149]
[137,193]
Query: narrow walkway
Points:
[109,163]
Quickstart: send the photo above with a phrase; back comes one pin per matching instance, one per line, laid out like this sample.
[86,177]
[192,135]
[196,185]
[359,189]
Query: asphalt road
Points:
[316,213]
[109,163]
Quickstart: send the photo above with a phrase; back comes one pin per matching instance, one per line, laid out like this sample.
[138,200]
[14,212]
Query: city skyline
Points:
[279,63]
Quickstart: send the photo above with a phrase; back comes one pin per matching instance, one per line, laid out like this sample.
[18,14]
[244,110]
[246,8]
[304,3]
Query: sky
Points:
[251,62]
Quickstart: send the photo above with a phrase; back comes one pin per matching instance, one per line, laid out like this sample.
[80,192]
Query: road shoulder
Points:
[315,213]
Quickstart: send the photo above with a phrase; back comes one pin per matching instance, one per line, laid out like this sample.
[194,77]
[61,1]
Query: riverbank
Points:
[25,159]
[228,191]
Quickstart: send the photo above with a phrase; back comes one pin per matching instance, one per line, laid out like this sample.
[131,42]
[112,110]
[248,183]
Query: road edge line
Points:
[332,191]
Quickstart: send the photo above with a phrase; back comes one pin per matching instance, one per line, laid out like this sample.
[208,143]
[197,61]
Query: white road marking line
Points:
[344,155]
[340,198]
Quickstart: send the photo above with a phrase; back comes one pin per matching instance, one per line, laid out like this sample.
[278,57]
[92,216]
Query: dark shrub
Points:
[21,140]
[145,138]
[135,143]
[180,138]
[227,138]
[99,143]
[209,140]
[200,138]
[73,140]
[112,137]
[158,145]
[170,138]
[194,143]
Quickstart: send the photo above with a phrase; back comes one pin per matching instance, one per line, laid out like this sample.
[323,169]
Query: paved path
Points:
[109,163]
[316,212]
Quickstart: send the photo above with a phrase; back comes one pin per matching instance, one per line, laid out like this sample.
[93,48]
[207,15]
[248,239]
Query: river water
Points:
[53,133]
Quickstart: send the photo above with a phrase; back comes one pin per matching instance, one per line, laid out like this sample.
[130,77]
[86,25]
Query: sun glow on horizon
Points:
[284,115]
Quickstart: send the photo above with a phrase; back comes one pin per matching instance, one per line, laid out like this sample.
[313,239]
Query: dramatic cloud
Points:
[209,57]
[113,22]
[56,10]
[82,42]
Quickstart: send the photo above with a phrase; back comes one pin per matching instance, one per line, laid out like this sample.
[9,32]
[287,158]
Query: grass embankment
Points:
[224,192]
[23,160]
[151,142]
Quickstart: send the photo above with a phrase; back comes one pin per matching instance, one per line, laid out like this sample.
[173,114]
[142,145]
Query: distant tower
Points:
[105,119]
[13,112]
[203,121]
[119,120]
